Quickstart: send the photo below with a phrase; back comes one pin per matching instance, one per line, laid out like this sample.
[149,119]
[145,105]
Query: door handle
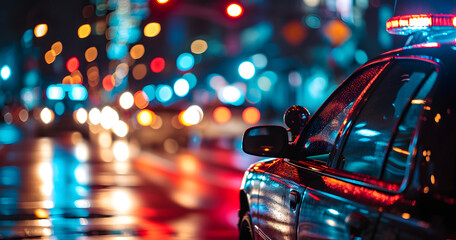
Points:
[357,223]
[294,199]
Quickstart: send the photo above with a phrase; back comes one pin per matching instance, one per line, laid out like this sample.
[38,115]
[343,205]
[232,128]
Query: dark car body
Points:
[376,161]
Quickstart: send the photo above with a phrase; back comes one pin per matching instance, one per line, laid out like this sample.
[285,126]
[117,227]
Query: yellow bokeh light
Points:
[198,46]
[57,48]
[91,54]
[41,30]
[84,31]
[49,57]
[137,51]
[152,29]
[146,117]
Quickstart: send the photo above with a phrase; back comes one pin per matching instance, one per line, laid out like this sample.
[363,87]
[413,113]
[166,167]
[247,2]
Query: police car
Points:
[376,161]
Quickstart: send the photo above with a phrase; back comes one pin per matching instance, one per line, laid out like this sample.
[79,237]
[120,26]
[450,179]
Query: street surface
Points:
[64,188]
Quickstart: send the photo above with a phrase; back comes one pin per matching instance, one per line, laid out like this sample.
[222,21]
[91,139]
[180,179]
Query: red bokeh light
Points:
[157,65]
[72,64]
[109,82]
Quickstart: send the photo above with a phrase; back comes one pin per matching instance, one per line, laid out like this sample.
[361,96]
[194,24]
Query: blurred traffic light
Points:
[234,10]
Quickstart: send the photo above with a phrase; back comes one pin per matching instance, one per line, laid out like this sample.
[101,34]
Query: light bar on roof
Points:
[408,24]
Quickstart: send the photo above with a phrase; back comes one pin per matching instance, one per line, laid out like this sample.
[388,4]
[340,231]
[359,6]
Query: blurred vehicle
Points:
[376,161]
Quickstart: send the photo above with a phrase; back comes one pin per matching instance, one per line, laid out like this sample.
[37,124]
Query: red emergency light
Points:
[408,24]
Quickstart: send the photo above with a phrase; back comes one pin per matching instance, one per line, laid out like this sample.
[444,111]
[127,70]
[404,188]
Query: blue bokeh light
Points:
[5,72]
[191,79]
[59,108]
[55,92]
[9,134]
[185,61]
[164,93]
[77,93]
[149,90]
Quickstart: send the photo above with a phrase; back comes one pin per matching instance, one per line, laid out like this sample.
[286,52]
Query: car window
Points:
[320,133]
[366,146]
[398,158]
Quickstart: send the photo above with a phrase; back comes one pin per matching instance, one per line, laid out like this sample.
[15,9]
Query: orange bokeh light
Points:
[141,99]
[251,115]
[222,114]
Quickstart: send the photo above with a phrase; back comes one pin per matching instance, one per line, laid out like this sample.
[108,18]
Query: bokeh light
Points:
[164,93]
[126,100]
[91,54]
[40,30]
[72,64]
[246,70]
[181,87]
[145,117]
[234,10]
[222,114]
[152,29]
[141,99]
[251,115]
[55,92]
[157,64]
[231,95]
[162,1]
[84,31]
[185,61]
[216,81]
[109,117]
[191,79]
[192,116]
[94,116]
[81,115]
[5,72]
[47,115]
[109,82]
[49,57]
[260,60]
[198,46]
[137,51]
[120,128]
[139,71]
[57,47]
[149,90]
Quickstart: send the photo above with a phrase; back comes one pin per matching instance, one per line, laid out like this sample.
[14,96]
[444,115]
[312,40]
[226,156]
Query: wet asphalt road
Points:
[66,188]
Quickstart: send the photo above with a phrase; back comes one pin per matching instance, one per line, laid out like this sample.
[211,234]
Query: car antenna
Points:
[394,9]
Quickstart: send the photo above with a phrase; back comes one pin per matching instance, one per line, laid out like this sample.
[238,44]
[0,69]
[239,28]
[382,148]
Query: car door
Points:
[345,201]
[284,182]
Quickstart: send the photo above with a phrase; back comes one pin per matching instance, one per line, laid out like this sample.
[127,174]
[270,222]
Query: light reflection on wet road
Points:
[65,189]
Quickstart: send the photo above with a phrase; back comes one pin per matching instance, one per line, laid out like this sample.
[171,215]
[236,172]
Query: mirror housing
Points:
[296,118]
[268,141]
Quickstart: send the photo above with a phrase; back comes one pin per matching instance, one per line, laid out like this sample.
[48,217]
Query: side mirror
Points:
[269,141]
[295,118]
